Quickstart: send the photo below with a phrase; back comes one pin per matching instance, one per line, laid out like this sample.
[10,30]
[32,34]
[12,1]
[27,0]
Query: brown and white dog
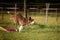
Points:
[21,21]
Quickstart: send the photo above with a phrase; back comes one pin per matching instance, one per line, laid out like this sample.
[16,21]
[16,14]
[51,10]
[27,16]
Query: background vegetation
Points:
[41,30]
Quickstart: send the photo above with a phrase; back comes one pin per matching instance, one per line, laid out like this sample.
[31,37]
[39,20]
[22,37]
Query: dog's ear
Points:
[29,18]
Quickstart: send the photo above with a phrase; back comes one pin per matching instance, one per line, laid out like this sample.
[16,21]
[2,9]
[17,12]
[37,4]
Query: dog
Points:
[20,20]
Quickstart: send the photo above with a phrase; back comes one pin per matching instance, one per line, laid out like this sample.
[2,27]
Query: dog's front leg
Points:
[20,28]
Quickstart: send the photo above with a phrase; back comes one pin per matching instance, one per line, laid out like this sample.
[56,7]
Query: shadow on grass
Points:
[40,25]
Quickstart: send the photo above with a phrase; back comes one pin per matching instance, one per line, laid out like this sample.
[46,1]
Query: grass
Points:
[39,31]
[33,32]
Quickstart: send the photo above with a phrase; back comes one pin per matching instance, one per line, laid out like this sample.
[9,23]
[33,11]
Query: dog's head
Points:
[31,21]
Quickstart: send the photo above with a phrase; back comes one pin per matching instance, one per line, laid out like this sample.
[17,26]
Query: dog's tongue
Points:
[10,29]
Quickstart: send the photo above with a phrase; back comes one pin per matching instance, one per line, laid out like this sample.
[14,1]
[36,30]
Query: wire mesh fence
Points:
[36,11]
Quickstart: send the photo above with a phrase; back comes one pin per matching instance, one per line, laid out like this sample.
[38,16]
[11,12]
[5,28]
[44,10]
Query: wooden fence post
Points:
[47,8]
[15,7]
[25,10]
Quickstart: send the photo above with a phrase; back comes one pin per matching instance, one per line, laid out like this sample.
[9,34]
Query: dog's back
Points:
[20,20]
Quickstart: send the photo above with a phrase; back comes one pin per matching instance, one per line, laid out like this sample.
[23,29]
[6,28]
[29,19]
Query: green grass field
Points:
[41,30]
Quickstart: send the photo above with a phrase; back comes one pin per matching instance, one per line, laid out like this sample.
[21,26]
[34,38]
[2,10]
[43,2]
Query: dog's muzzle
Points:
[32,22]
